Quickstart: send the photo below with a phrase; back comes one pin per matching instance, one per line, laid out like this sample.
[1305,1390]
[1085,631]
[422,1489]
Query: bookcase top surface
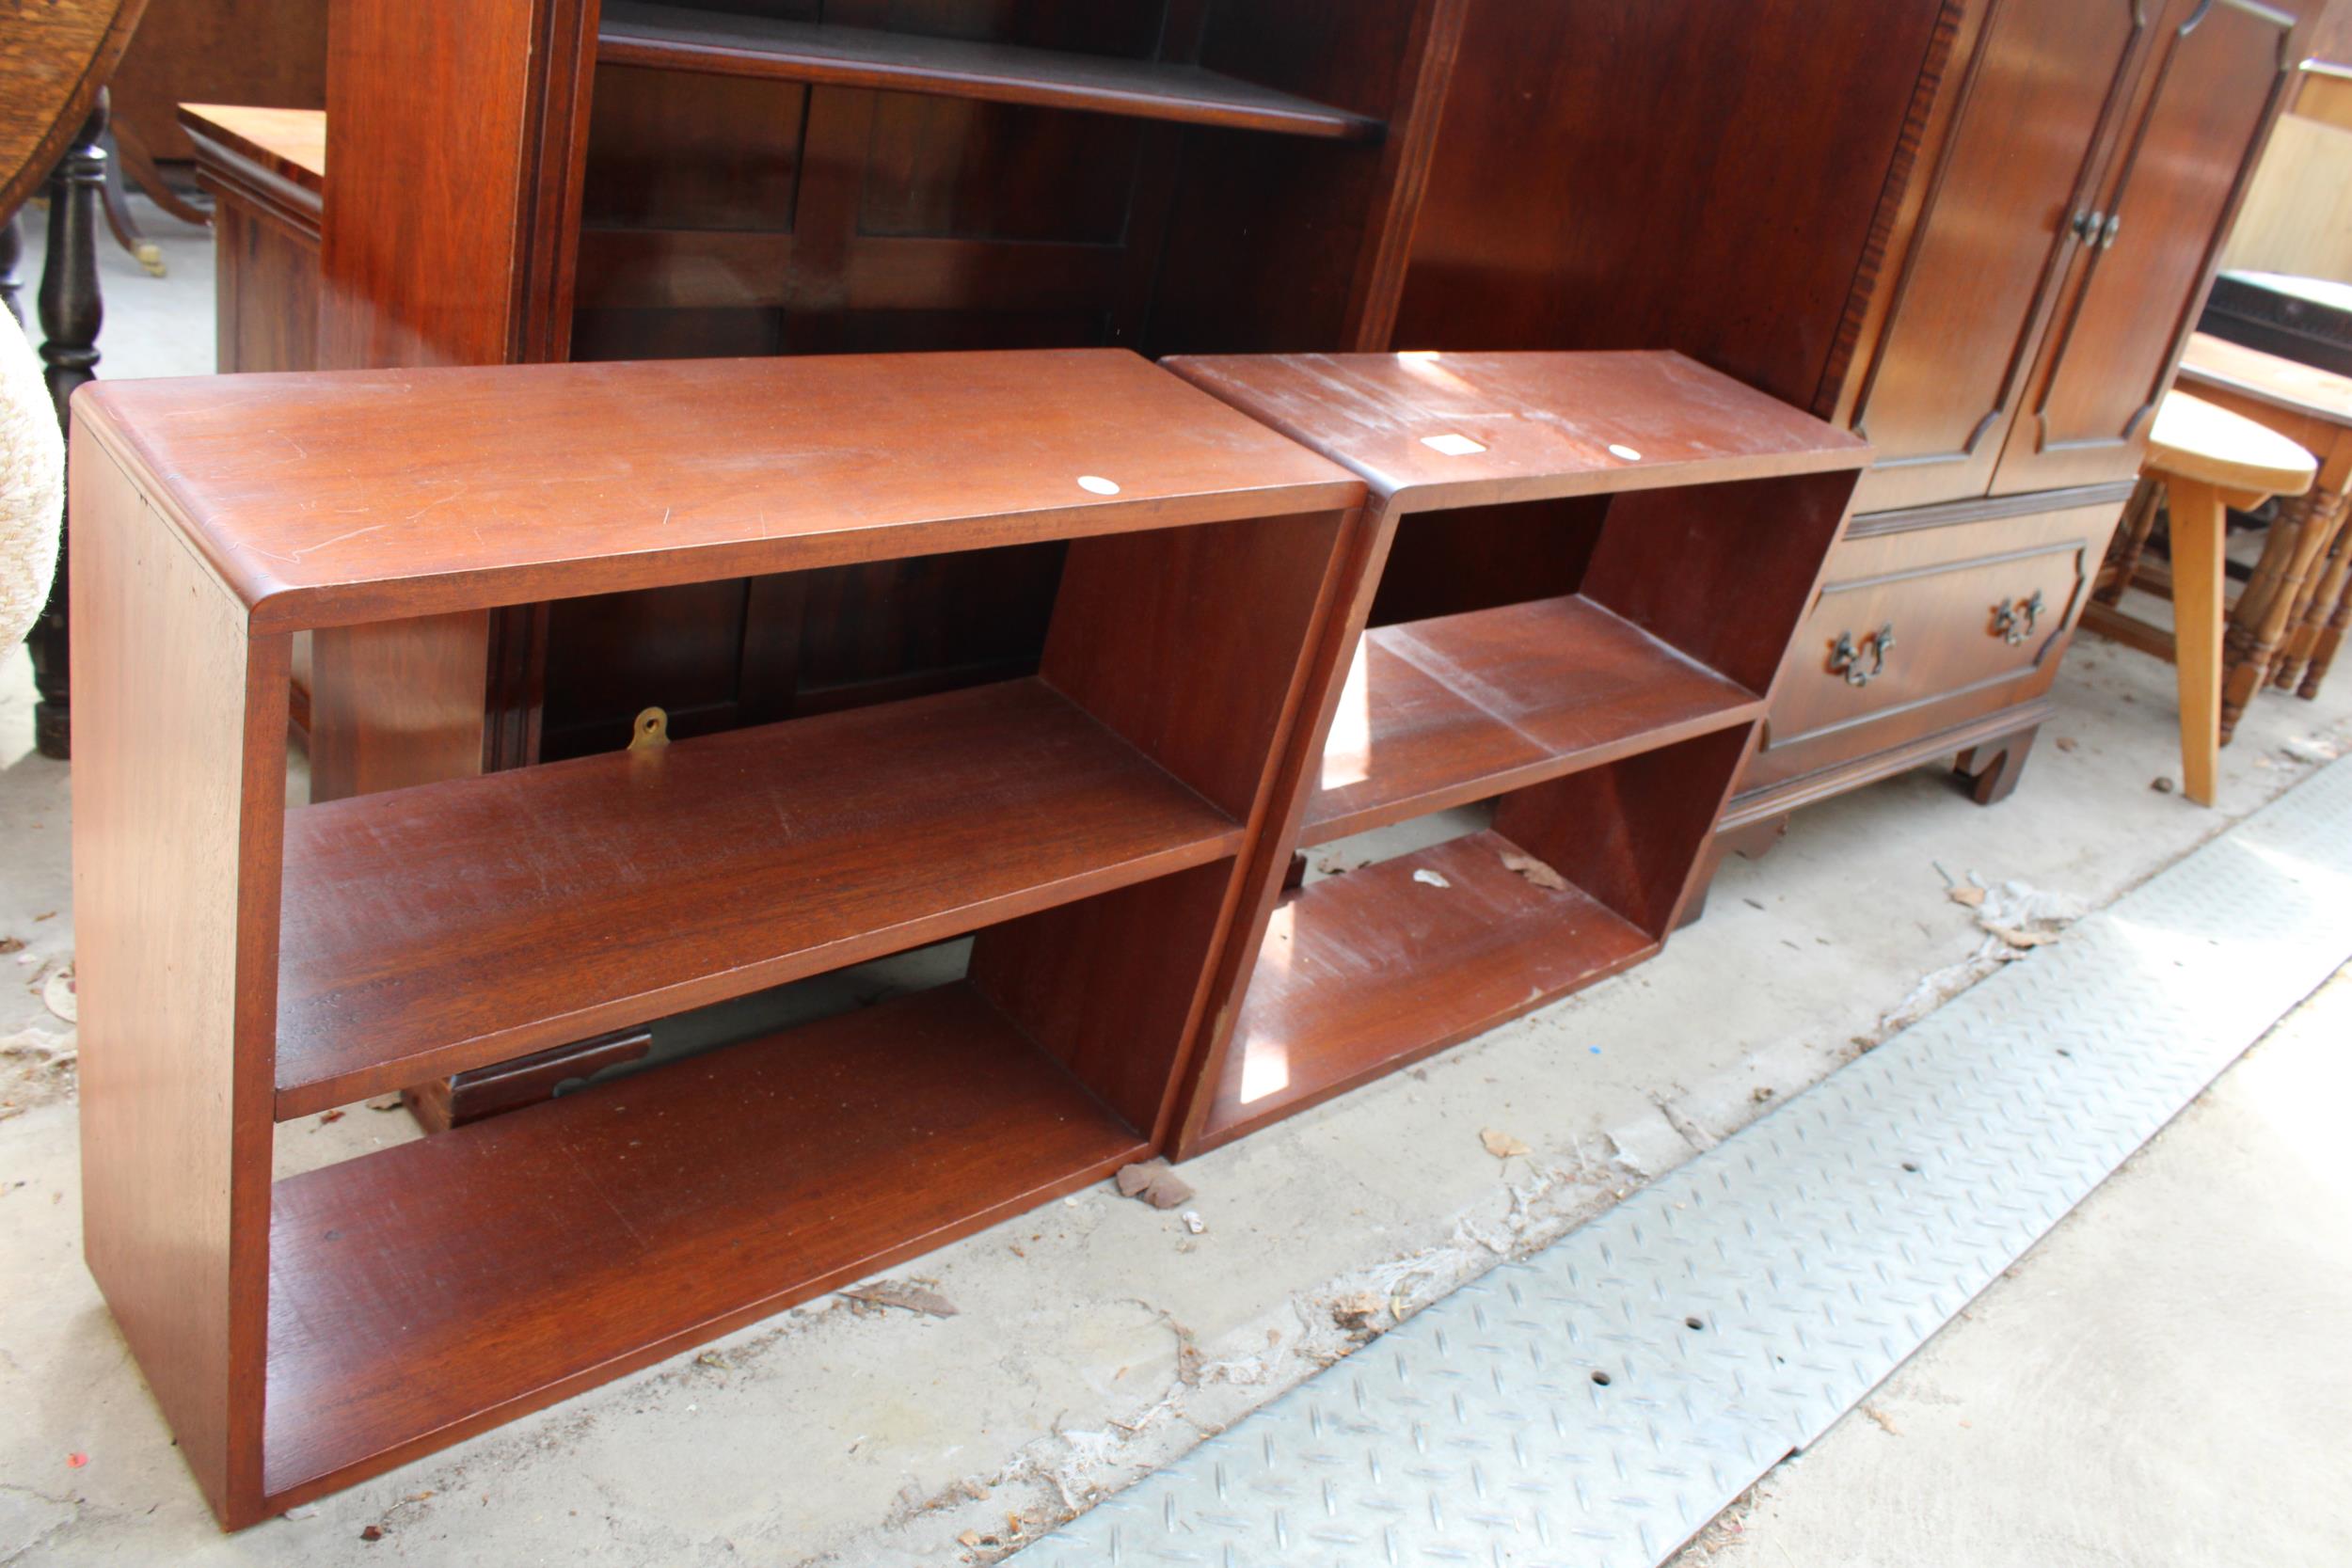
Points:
[1447,430]
[329,498]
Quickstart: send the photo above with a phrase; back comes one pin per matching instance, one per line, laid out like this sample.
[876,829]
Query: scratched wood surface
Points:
[551,481]
[1454,430]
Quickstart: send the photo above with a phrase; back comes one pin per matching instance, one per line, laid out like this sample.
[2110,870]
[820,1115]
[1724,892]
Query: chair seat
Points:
[2194,439]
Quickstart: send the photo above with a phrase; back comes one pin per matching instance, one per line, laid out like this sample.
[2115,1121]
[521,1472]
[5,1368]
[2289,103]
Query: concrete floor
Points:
[832,1435]
[2161,1382]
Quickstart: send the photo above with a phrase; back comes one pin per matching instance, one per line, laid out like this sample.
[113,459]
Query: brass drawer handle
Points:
[2012,622]
[1846,659]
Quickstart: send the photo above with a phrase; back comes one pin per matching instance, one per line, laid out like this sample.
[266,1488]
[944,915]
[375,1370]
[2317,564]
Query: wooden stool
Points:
[2311,407]
[2209,459]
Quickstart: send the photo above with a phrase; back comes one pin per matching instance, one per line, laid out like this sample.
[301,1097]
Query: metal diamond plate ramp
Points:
[1595,1405]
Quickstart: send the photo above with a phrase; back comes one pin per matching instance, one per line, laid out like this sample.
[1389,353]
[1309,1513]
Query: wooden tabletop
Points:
[1468,429]
[2193,439]
[290,142]
[329,498]
[2217,362]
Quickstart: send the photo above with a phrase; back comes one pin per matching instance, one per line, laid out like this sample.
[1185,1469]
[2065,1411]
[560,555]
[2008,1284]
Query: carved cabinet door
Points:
[2041,86]
[2137,280]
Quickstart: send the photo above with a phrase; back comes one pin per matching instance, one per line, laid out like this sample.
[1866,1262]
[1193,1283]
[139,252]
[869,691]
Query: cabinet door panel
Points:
[2218,68]
[2045,77]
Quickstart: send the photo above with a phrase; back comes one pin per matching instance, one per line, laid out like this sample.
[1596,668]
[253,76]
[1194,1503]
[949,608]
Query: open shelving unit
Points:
[1608,722]
[246,963]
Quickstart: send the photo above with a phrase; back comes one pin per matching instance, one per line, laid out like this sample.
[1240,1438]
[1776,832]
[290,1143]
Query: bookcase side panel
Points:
[179,780]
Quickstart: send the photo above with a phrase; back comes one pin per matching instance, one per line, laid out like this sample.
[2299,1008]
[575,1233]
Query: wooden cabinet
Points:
[1979,241]
[2214,80]
[2080,181]
[1938,394]
[1925,621]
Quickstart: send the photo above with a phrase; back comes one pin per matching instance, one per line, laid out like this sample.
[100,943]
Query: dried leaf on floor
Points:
[2022,939]
[1154,1182]
[911,1298]
[1502,1144]
[11,944]
[969,1538]
[58,995]
[1427,877]
[2067,743]
[1885,1421]
[328,1118]
[1967,892]
[1358,1313]
[1534,871]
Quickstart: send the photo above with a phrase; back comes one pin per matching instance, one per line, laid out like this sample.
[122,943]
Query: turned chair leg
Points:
[71,314]
[2331,636]
[2322,587]
[2299,532]
[2198,525]
[2131,540]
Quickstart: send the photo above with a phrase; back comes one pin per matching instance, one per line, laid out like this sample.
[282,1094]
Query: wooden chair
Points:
[2207,460]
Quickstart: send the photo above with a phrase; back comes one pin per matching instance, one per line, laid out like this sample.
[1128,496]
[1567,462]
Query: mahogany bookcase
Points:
[242,963]
[1674,524]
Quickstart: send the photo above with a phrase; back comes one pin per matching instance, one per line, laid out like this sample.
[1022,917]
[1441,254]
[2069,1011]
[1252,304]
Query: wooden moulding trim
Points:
[1823,783]
[1980,509]
[226,169]
[663,37]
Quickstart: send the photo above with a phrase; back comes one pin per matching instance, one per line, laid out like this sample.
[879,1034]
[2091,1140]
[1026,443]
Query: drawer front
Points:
[1918,629]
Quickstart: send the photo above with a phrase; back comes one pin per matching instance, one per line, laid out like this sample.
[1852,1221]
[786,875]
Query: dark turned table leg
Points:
[11,255]
[70,312]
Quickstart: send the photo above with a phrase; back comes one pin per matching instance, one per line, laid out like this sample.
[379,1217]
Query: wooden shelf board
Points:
[539,482]
[1340,993]
[437,1288]
[1440,712]
[1540,426]
[676,39]
[451,925]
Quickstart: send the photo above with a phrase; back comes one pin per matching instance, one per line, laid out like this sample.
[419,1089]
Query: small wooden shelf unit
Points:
[243,963]
[1610,721]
